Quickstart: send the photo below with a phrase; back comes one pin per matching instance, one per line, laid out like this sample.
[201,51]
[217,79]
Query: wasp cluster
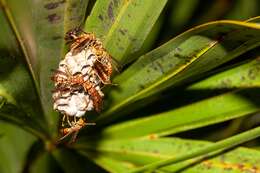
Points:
[79,78]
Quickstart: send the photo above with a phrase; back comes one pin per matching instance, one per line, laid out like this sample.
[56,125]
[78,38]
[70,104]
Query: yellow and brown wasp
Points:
[75,127]
[81,40]
[67,81]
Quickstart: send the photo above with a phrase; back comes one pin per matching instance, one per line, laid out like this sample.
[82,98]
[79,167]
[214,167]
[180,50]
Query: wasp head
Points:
[73,34]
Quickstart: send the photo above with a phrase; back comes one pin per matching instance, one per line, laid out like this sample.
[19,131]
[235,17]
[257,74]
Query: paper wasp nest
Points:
[70,96]
[78,80]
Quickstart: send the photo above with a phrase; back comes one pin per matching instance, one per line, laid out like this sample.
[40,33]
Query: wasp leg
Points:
[102,81]
[63,137]
[117,66]
[90,124]
[74,137]
[105,84]
[109,83]
[68,121]
[63,120]
[75,120]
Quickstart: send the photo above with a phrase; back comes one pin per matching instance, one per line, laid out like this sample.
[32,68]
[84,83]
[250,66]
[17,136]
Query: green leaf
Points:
[19,101]
[37,149]
[123,25]
[245,75]
[206,151]
[240,160]
[39,27]
[14,115]
[71,161]
[45,163]
[145,151]
[184,58]
[110,164]
[216,109]
[243,9]
[139,151]
[149,40]
[182,11]
[14,145]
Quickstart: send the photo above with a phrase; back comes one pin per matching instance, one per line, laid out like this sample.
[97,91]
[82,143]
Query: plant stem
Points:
[218,146]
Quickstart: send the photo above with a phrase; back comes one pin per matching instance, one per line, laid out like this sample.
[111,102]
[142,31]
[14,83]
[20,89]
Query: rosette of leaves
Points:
[181,104]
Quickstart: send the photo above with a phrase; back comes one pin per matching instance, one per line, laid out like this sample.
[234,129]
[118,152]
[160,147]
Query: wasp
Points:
[95,95]
[67,81]
[81,40]
[75,127]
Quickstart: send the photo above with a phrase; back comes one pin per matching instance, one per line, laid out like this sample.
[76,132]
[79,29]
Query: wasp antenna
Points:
[90,124]
[83,31]
[114,84]
[105,84]
[117,65]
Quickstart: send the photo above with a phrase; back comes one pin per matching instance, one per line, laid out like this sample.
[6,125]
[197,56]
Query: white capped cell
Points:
[76,104]
[76,62]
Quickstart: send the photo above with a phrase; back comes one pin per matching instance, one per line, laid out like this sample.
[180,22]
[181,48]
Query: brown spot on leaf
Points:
[110,12]
[177,49]
[237,167]
[132,39]
[53,18]
[141,87]
[252,73]
[243,78]
[56,37]
[123,31]
[116,3]
[156,151]
[225,83]
[177,55]
[100,17]
[240,166]
[160,67]
[152,136]
[221,36]
[154,67]
[170,65]
[53,5]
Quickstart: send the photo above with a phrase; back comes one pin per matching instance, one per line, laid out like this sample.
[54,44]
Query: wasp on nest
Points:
[86,68]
